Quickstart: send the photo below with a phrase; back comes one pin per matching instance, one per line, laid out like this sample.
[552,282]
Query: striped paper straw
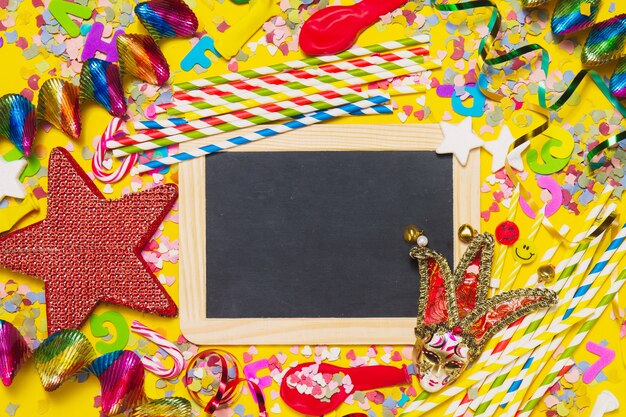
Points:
[480,371]
[472,380]
[244,114]
[569,278]
[503,384]
[287,84]
[503,339]
[534,229]
[307,120]
[496,377]
[284,82]
[551,378]
[153,139]
[568,364]
[501,342]
[404,89]
[193,111]
[499,263]
[580,297]
[602,269]
[527,376]
[400,89]
[460,399]
[302,63]
[493,389]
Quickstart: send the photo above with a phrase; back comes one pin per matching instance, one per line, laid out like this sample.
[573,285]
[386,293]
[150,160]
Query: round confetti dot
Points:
[524,251]
[507,233]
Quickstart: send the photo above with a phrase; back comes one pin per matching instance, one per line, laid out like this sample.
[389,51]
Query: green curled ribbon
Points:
[486,48]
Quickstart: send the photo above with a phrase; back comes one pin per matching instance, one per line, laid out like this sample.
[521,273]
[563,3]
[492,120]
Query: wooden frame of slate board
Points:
[302,330]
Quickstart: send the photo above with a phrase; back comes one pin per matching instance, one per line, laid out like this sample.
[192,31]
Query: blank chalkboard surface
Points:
[298,238]
[319,234]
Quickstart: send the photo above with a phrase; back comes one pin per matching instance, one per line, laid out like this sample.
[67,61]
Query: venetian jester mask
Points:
[455,318]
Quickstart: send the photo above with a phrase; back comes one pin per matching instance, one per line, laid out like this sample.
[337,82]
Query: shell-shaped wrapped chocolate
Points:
[61,356]
[534,3]
[164,407]
[568,16]
[59,104]
[18,121]
[100,81]
[606,42]
[618,80]
[121,376]
[141,58]
[13,352]
[167,18]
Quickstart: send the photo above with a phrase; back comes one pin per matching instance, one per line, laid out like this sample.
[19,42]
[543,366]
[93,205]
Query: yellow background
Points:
[74,399]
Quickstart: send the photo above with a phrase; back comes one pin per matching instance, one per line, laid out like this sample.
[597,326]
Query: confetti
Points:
[11,409]
[322,386]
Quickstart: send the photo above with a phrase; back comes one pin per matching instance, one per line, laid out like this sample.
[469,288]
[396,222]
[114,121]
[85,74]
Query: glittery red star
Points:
[88,248]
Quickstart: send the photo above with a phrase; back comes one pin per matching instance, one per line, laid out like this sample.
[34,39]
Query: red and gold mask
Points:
[456,318]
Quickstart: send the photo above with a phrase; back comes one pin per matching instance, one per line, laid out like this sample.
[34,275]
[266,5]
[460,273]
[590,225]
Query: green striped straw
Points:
[582,332]
[357,76]
[302,63]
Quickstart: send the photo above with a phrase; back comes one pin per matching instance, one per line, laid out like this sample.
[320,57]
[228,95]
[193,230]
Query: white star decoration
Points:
[515,157]
[459,140]
[499,150]
[10,185]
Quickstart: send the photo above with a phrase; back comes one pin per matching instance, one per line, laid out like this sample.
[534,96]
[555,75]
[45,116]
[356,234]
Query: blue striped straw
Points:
[614,246]
[600,268]
[367,106]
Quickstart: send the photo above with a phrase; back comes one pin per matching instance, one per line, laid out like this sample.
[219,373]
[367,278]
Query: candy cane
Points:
[97,163]
[155,365]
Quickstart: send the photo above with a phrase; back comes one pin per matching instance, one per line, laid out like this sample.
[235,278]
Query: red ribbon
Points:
[227,390]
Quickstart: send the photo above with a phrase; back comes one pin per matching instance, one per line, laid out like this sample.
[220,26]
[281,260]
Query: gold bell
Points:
[466,233]
[411,233]
[545,273]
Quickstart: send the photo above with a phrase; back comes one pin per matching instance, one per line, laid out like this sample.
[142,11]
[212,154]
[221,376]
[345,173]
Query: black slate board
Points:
[319,234]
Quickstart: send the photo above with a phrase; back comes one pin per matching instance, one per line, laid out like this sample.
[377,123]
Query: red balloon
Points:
[334,29]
